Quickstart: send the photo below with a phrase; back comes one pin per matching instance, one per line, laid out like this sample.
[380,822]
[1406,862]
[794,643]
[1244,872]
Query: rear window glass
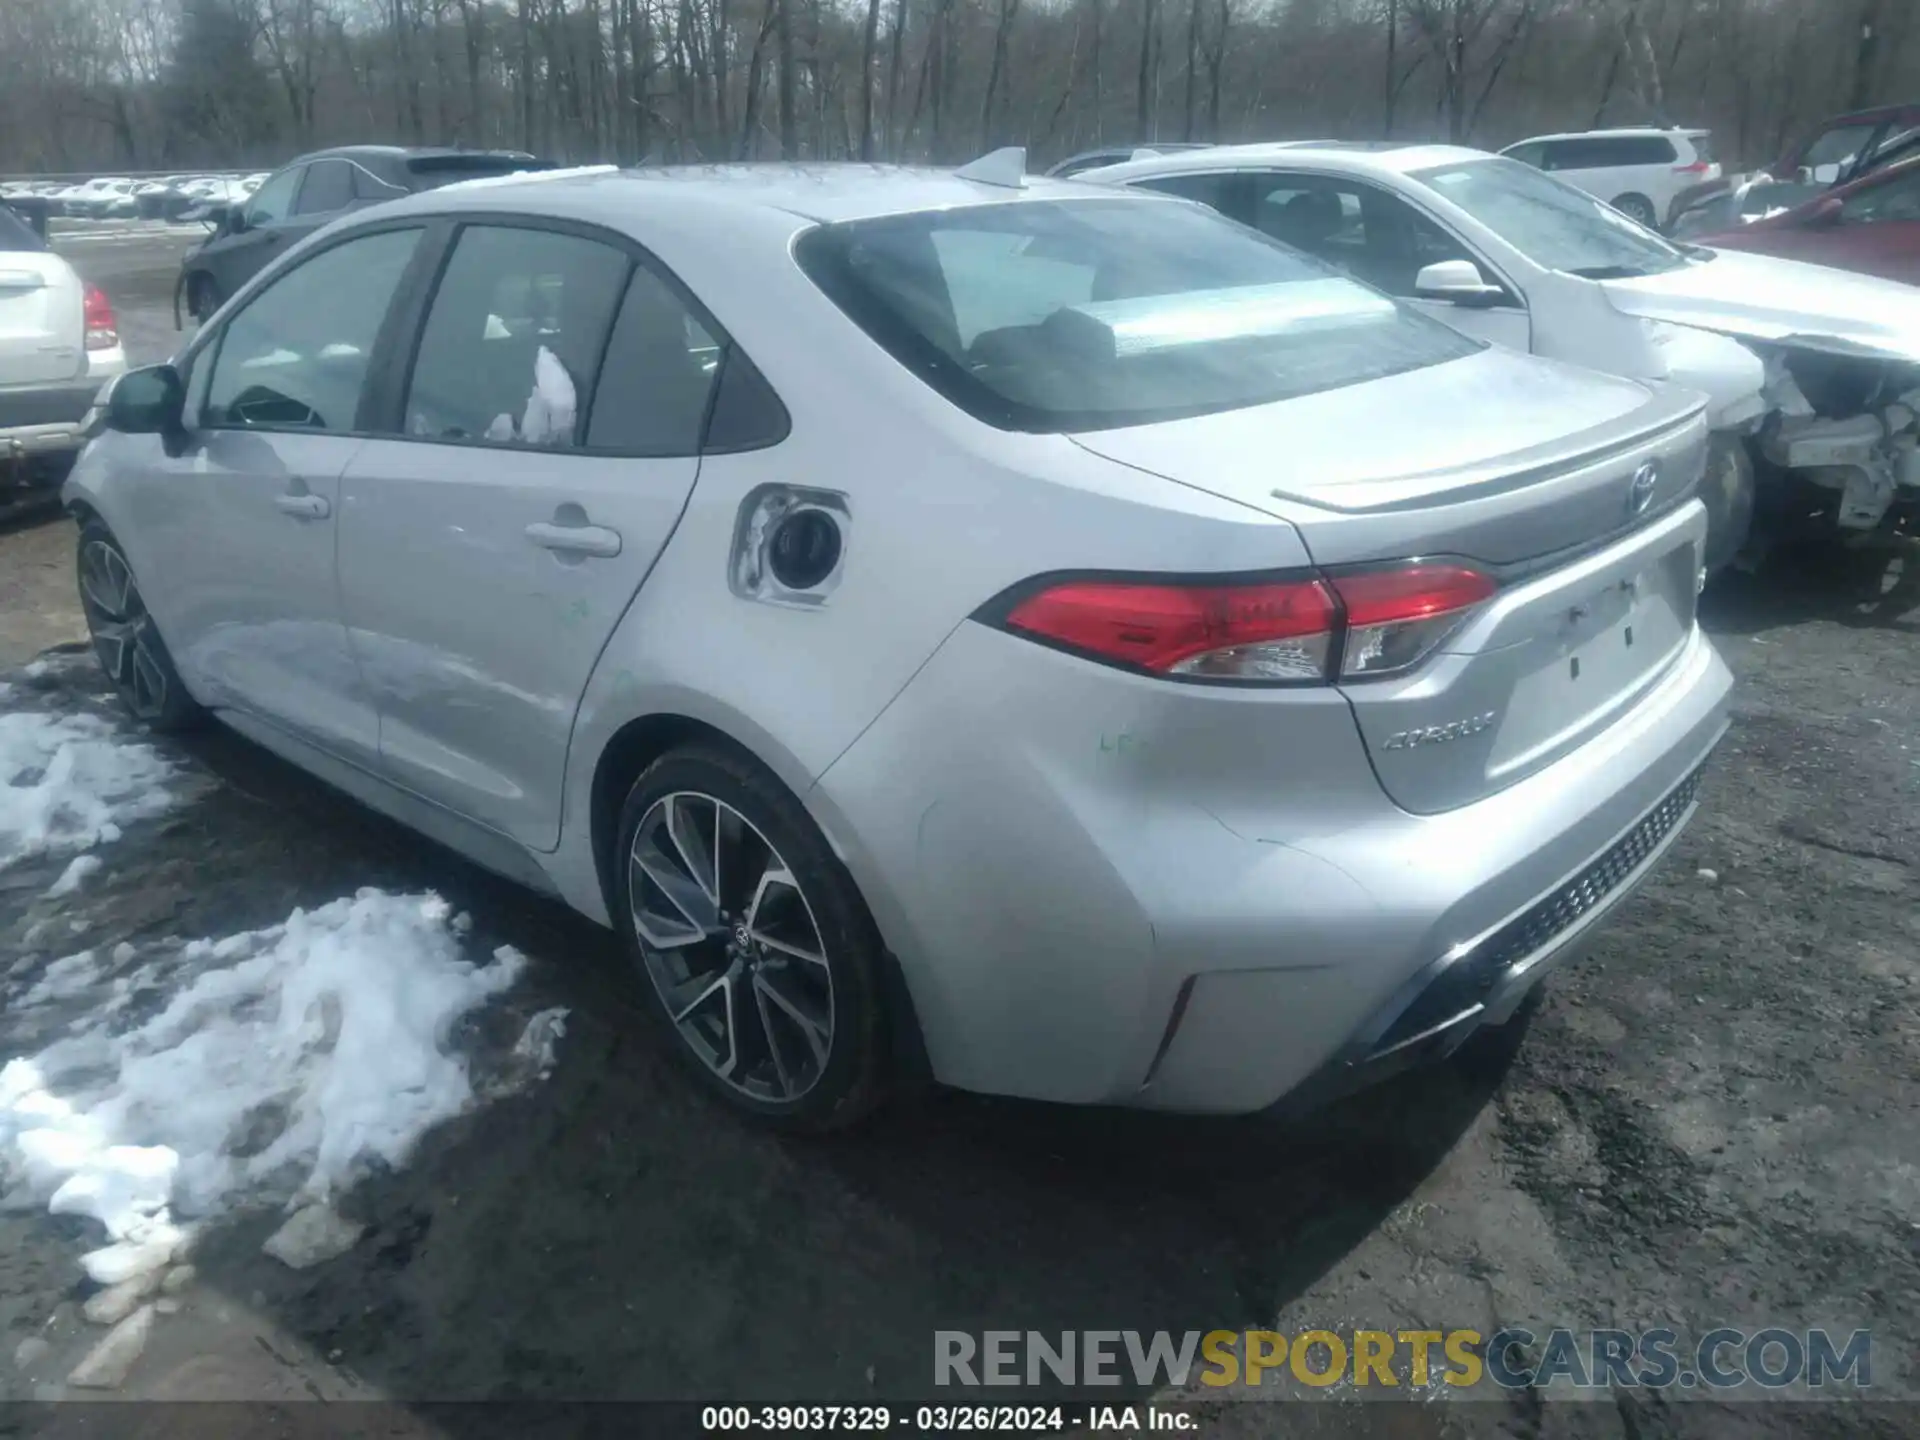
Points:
[430,172]
[1085,315]
[1702,148]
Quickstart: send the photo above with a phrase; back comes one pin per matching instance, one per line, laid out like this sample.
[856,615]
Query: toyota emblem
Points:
[1640,493]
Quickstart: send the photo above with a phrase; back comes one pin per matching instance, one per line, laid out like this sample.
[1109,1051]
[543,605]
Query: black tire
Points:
[203,296]
[125,637]
[1639,208]
[855,1076]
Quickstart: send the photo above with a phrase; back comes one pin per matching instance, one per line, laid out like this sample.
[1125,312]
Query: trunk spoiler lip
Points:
[1682,411]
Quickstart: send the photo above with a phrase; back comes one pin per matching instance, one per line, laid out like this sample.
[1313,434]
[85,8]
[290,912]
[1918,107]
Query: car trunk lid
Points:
[42,323]
[1576,495]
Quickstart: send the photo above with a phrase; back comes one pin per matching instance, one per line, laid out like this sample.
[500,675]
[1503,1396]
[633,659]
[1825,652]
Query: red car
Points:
[1843,142]
[1871,226]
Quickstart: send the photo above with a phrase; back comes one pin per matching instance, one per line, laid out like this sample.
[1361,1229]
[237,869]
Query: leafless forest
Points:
[154,84]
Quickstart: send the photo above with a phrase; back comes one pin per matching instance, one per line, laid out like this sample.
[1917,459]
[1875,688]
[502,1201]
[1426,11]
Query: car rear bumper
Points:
[1103,892]
[39,419]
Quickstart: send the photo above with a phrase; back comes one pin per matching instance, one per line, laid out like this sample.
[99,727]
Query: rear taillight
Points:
[1279,631]
[1395,618]
[1303,630]
[102,331]
[1698,167]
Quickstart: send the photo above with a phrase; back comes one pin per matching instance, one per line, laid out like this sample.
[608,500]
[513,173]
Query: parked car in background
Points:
[298,199]
[1808,370]
[1730,207]
[518,509]
[1641,173]
[1870,225]
[1830,155]
[79,200]
[1114,154]
[58,343]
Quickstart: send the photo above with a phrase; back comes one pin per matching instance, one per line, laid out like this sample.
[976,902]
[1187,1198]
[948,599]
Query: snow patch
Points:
[63,979]
[279,1066]
[535,1047]
[78,869]
[68,782]
[550,409]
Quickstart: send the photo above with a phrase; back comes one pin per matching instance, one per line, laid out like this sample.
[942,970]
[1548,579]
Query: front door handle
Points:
[304,507]
[596,540]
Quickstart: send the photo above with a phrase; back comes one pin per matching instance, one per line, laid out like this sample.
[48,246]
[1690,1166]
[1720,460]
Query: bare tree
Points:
[867,45]
[1143,96]
[1002,29]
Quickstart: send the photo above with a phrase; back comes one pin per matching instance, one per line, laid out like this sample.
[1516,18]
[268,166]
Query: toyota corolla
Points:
[1062,640]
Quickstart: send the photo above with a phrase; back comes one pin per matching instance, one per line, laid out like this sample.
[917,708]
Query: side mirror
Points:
[1458,282]
[1826,212]
[234,220]
[148,401]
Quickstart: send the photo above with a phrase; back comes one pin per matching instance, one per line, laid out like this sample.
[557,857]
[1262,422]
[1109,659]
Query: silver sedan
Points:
[1058,639]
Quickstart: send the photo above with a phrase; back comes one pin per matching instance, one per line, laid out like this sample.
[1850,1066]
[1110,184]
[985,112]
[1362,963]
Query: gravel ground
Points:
[1710,1121]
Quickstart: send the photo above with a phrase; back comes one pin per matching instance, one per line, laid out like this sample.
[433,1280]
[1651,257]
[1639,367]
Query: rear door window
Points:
[328,187]
[514,337]
[660,369]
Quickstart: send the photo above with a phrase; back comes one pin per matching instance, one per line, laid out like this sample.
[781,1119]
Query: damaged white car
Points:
[1813,374]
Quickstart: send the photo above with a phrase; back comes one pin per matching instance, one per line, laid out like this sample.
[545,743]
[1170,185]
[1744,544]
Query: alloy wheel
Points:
[731,944]
[123,633]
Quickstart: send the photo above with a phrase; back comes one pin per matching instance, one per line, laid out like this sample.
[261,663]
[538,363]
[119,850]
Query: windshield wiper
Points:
[1610,272]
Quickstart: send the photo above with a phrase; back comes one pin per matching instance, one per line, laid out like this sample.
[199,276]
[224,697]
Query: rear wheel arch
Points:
[625,758]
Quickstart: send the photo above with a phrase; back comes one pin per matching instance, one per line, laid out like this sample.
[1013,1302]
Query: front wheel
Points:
[759,951]
[125,638]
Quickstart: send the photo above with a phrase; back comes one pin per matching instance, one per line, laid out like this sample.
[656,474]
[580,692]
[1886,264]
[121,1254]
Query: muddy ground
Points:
[1713,1120]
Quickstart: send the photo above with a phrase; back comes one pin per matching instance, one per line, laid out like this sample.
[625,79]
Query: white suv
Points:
[1641,173]
[58,343]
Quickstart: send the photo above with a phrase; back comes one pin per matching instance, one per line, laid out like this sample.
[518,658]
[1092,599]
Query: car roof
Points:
[825,192]
[1625,132]
[1873,115]
[1331,155]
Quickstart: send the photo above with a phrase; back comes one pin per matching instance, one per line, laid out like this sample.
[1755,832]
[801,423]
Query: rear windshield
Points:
[430,172]
[15,233]
[1702,143]
[1057,316]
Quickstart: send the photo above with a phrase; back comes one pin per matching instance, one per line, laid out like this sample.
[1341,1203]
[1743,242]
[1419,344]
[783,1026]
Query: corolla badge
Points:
[1439,734]
[1640,492]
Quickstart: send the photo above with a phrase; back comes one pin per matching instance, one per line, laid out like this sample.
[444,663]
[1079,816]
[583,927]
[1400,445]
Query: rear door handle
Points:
[304,507]
[596,540]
